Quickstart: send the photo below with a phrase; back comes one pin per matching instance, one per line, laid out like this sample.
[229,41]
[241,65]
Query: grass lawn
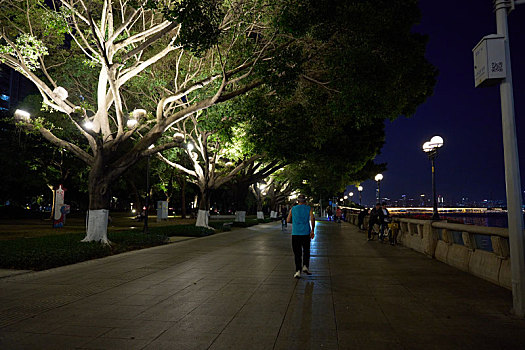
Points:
[75,223]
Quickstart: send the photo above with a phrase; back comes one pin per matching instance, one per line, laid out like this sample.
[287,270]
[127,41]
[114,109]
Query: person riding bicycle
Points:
[376,217]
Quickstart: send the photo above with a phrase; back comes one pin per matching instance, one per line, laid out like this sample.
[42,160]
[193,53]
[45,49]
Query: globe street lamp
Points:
[431,149]
[351,194]
[360,189]
[378,179]
[22,116]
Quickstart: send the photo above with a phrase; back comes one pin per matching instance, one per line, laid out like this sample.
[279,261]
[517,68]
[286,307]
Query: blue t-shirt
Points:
[301,220]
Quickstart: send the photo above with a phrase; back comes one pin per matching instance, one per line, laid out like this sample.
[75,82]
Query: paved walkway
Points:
[235,291]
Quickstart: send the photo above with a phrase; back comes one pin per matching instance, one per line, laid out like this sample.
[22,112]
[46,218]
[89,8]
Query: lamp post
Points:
[360,189]
[351,194]
[431,149]
[145,230]
[512,172]
[378,179]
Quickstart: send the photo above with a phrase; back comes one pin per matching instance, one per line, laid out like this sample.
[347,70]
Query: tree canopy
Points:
[306,83]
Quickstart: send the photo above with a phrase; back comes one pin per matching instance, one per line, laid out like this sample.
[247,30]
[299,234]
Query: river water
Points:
[486,219]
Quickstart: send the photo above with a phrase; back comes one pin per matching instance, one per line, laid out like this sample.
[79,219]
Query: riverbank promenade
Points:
[235,290]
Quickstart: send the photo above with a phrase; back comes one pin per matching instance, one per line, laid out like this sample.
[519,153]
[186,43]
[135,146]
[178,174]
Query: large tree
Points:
[212,156]
[123,72]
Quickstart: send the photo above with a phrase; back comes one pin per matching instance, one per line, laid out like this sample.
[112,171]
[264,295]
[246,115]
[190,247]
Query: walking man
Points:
[303,223]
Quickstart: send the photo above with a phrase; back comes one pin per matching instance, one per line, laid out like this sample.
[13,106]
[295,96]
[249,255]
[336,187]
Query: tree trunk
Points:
[204,206]
[183,199]
[99,199]
[260,213]
[240,191]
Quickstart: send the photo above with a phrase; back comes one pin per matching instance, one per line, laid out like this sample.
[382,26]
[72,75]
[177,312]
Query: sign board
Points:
[489,61]
[162,210]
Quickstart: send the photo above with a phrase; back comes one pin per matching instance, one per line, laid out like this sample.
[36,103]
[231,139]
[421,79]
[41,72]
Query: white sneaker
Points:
[297,274]
[305,270]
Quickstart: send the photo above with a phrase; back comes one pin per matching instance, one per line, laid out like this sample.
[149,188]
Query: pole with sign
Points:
[492,57]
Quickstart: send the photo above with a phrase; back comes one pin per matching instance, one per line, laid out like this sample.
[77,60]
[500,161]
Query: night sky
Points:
[470,164]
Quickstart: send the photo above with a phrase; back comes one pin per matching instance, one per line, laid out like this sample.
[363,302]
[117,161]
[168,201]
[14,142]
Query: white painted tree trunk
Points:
[273,214]
[202,218]
[260,215]
[240,216]
[97,226]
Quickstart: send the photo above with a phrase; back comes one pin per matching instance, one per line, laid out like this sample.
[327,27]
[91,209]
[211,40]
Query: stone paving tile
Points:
[179,336]
[111,344]
[168,311]
[20,340]
[203,323]
[81,331]
[249,339]
[378,337]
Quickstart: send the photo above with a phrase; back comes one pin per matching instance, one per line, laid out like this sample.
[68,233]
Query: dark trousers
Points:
[301,250]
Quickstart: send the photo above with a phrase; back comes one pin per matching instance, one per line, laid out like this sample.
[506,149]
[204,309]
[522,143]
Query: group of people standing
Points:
[380,216]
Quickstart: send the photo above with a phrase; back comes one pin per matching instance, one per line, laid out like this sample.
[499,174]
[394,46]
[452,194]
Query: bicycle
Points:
[386,228]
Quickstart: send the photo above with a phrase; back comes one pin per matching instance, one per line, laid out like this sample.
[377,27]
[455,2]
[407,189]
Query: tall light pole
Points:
[512,172]
[431,148]
[360,189]
[351,194]
[378,179]
[145,229]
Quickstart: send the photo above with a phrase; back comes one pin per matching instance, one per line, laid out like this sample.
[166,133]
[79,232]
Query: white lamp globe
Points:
[139,113]
[22,115]
[131,123]
[436,141]
[379,177]
[88,124]
[61,93]
[178,136]
[427,147]
[360,188]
